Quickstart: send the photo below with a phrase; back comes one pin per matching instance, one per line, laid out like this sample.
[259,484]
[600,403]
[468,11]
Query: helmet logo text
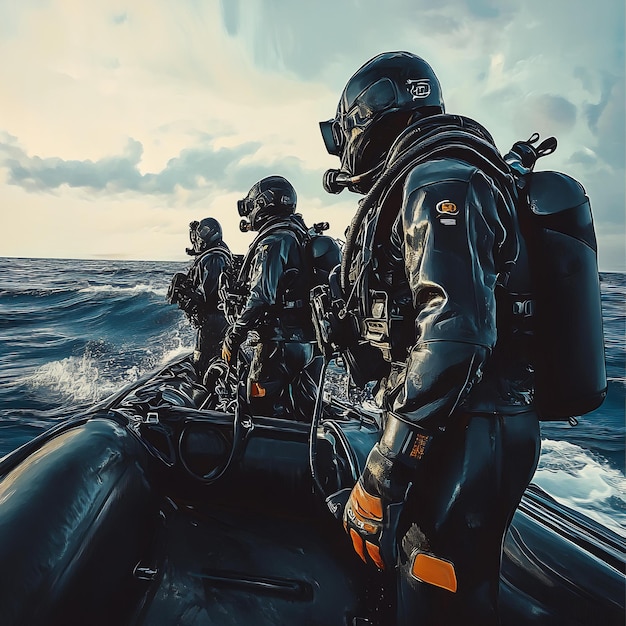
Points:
[418,88]
[448,207]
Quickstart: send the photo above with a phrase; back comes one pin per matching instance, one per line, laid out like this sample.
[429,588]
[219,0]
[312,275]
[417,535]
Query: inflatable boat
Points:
[170,503]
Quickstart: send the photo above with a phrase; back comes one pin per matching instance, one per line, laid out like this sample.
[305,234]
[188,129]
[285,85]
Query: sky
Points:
[120,122]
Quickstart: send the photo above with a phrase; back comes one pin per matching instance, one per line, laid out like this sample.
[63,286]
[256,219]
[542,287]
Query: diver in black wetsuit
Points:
[196,292]
[286,364]
[433,265]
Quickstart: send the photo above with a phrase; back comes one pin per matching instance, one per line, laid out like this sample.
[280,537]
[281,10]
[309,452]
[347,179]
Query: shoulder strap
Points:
[221,250]
[292,228]
[362,254]
[447,136]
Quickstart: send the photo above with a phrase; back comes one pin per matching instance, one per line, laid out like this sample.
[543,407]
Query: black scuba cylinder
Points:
[570,367]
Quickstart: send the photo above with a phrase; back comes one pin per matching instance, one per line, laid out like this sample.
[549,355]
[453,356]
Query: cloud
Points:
[204,169]
[119,18]
[230,14]
[192,169]
[38,174]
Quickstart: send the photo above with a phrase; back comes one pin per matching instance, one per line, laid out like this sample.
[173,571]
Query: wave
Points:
[576,478]
[78,379]
[90,377]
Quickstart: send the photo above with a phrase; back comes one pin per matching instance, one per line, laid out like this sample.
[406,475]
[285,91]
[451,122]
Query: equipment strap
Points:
[293,228]
[418,145]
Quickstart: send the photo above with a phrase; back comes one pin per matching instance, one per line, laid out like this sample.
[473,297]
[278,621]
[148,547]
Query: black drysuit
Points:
[286,363]
[204,312]
[460,369]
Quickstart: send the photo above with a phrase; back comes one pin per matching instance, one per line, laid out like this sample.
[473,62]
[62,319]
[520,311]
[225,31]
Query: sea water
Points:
[72,332]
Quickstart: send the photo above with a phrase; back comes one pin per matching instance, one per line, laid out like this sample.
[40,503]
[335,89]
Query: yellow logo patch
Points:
[448,207]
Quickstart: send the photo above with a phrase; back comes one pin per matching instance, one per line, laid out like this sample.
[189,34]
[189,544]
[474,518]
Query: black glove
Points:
[373,509]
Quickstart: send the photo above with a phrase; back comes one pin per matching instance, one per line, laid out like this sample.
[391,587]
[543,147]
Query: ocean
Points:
[73,332]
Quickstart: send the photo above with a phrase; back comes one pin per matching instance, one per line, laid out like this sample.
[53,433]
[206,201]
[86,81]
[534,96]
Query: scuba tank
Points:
[556,221]
[324,253]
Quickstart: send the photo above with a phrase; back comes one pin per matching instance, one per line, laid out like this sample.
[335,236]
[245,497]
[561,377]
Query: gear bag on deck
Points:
[557,224]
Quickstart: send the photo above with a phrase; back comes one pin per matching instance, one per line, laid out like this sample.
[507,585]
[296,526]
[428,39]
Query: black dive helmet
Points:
[273,196]
[369,116]
[203,235]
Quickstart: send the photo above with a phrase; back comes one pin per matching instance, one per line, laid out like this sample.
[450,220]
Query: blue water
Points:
[73,332]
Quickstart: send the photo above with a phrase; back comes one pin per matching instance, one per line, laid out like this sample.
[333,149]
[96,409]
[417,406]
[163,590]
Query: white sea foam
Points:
[576,478]
[175,352]
[89,378]
[130,290]
[78,378]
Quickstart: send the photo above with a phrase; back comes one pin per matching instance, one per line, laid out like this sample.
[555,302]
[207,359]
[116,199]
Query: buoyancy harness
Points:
[320,253]
[362,313]
[182,290]
[224,252]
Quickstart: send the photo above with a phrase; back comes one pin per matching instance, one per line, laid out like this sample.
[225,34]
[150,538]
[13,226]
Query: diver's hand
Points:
[226,352]
[373,509]
[230,347]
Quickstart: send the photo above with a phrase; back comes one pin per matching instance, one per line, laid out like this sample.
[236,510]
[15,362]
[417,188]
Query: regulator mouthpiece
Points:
[245,226]
[335,181]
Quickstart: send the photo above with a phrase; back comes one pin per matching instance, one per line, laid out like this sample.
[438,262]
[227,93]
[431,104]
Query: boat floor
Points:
[239,566]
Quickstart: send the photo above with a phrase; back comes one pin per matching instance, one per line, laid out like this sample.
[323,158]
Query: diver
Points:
[432,270]
[196,292]
[276,316]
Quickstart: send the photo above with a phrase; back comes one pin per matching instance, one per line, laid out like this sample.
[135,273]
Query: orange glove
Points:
[373,509]
[226,352]
[371,515]
[230,347]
